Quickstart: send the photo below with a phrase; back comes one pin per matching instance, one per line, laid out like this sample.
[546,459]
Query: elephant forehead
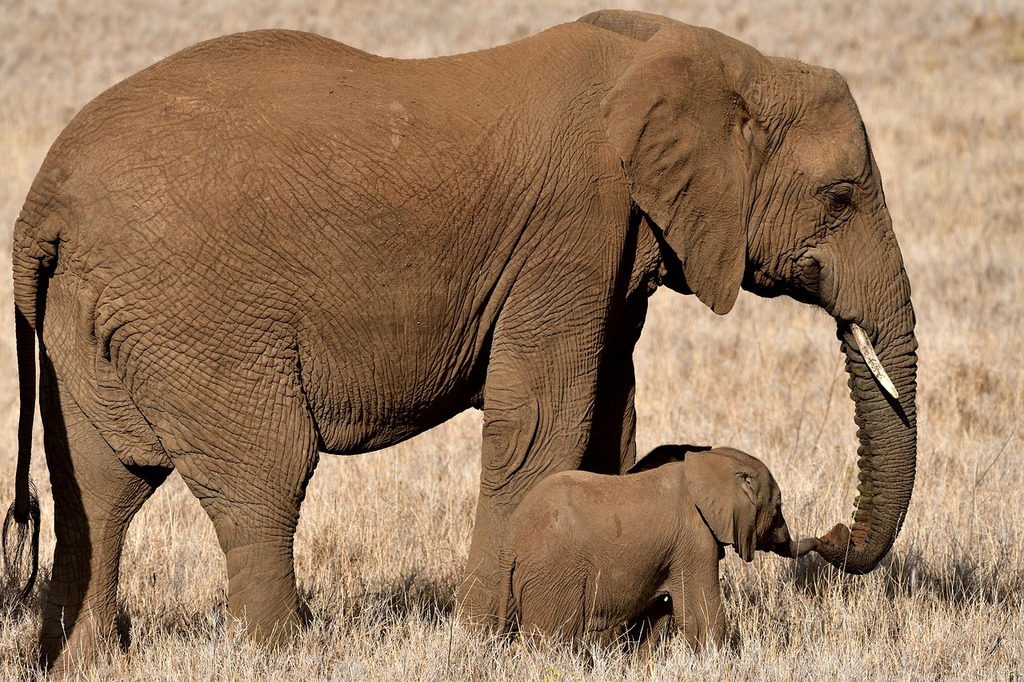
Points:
[829,142]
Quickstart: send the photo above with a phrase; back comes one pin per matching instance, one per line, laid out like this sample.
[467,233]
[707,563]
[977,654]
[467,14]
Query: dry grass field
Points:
[384,536]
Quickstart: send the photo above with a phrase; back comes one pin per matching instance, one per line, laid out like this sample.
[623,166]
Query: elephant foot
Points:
[67,658]
[271,617]
[477,605]
[271,634]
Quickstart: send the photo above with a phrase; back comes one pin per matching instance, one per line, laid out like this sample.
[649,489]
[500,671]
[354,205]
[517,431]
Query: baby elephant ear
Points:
[689,148]
[744,517]
[663,454]
[727,500]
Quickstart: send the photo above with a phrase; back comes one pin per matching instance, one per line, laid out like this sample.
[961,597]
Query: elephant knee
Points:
[508,438]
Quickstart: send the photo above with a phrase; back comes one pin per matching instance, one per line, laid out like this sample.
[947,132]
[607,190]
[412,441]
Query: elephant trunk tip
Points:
[837,548]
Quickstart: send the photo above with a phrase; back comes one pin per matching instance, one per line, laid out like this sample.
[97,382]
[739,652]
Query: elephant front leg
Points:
[697,605]
[612,448]
[528,434]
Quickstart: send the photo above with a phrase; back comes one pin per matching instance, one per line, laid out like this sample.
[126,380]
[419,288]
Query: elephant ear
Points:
[663,454]
[727,500]
[690,148]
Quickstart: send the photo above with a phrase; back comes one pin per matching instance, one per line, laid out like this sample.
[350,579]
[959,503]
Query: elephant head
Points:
[756,172]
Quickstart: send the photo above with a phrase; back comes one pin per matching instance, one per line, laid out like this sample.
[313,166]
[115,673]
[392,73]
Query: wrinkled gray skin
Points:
[271,245]
[593,557]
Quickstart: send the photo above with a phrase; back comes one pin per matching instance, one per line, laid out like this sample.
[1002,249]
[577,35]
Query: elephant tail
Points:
[34,256]
[21,525]
[507,611]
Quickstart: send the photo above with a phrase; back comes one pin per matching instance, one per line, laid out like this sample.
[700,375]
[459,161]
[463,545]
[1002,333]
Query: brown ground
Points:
[384,536]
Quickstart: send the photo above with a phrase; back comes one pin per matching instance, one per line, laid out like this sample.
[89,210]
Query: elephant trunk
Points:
[797,548]
[791,548]
[887,431]
[779,541]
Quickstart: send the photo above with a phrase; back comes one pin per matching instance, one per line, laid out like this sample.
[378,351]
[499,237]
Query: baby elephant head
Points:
[738,498]
[741,503]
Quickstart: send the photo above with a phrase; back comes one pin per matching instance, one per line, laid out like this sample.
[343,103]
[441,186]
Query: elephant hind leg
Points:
[555,609]
[250,474]
[95,497]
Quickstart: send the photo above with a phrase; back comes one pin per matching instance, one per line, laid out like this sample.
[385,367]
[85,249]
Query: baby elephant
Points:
[598,558]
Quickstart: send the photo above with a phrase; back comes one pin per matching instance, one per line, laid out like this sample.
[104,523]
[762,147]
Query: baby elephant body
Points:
[595,557]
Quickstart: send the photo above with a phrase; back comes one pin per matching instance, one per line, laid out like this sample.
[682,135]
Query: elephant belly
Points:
[367,382]
[354,427]
[395,388]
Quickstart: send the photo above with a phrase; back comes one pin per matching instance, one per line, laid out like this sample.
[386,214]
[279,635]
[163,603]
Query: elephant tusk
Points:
[868,351]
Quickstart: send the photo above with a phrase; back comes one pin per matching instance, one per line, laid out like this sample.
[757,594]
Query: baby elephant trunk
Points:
[783,544]
[797,548]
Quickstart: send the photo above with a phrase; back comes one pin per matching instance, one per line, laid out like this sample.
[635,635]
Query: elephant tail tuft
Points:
[21,545]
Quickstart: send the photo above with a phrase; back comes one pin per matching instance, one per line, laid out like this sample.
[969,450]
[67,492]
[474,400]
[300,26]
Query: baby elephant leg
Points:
[643,634]
[697,608]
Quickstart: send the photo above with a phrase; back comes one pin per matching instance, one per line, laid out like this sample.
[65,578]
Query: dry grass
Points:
[383,537]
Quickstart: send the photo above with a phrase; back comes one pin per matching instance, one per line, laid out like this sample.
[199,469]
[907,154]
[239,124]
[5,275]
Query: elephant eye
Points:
[838,199]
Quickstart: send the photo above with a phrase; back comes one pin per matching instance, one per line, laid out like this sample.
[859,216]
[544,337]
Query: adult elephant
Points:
[271,244]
